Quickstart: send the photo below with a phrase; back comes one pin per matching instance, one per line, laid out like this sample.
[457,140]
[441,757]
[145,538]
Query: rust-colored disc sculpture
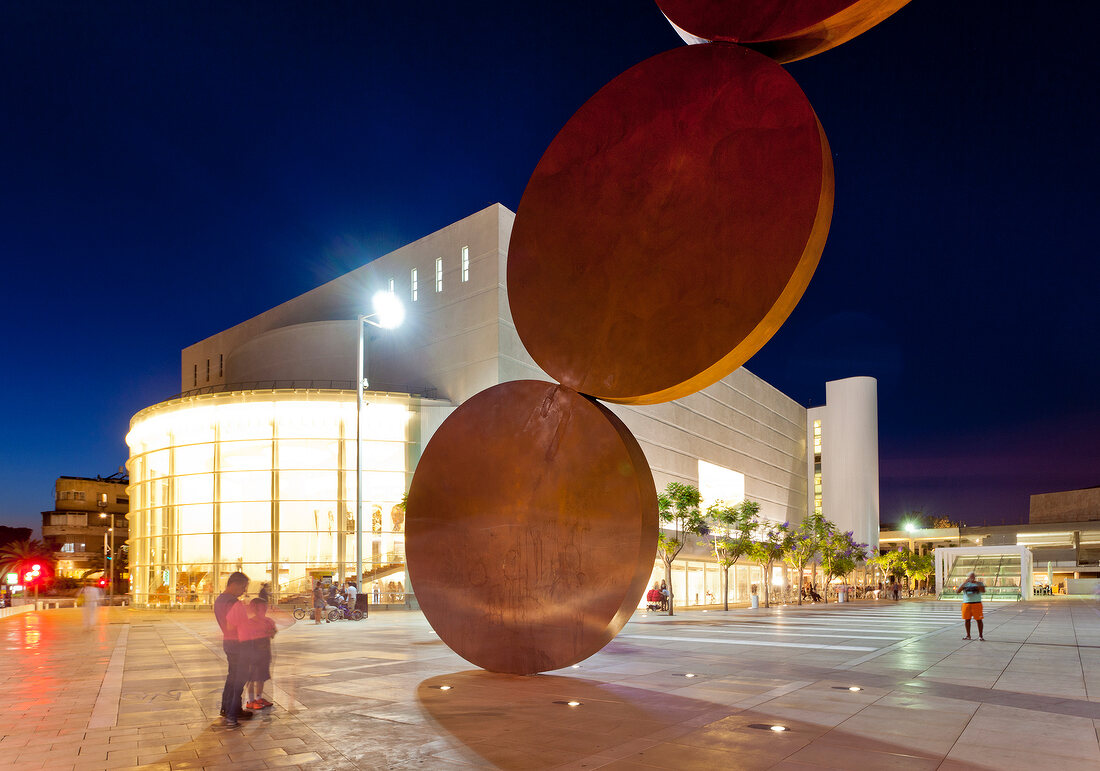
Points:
[671,226]
[786,30]
[531,527]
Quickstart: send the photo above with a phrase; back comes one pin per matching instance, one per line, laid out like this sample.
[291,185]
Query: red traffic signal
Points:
[103,582]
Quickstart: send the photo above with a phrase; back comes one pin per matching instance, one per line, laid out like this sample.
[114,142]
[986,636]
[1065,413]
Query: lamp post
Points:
[109,556]
[388,314]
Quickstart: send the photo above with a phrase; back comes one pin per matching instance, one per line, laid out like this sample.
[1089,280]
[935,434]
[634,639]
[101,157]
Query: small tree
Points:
[916,567]
[730,536]
[770,543]
[840,553]
[805,545]
[678,514]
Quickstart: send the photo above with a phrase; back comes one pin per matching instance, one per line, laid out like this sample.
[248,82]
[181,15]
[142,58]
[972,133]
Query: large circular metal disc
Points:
[531,528]
[786,30]
[671,226]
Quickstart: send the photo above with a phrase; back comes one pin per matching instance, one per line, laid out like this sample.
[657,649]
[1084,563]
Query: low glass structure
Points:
[264,482]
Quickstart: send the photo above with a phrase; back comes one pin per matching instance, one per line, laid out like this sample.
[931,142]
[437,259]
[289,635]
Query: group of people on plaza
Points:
[246,639]
[334,599]
[657,597]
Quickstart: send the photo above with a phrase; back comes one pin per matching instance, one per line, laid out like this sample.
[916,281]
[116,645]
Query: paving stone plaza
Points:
[700,690]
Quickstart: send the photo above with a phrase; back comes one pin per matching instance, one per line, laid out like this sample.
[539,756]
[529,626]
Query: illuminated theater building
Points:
[252,466]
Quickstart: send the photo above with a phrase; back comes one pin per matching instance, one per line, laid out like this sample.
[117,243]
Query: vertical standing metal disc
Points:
[531,528]
[671,226]
[785,30]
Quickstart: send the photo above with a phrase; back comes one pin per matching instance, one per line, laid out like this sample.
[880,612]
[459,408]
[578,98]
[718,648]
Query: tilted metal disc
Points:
[786,30]
[531,528]
[671,226]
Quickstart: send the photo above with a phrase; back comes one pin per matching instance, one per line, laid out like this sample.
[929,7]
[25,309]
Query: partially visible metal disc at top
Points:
[785,30]
[671,226]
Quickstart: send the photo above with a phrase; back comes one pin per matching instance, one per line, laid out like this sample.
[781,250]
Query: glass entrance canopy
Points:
[264,482]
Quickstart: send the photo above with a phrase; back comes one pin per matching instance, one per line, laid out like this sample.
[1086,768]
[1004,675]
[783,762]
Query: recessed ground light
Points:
[704,611]
[768,727]
[690,674]
[569,703]
[854,688]
[442,687]
[576,666]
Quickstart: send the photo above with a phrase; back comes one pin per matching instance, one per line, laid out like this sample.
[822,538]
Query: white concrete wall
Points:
[463,340]
[849,457]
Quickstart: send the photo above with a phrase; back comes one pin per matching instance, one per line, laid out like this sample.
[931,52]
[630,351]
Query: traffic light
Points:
[103,582]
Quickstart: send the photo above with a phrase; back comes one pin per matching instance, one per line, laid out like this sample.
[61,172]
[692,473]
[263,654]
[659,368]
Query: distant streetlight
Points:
[389,313]
[109,568]
[910,527]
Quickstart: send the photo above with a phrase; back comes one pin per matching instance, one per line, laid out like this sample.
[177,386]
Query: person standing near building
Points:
[231,615]
[972,590]
[318,603]
[352,592]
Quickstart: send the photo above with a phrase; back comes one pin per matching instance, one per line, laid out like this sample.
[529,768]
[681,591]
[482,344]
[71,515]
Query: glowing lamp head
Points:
[389,310]
[910,527]
[36,568]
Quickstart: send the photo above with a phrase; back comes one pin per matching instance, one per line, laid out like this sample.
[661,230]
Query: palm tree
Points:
[20,556]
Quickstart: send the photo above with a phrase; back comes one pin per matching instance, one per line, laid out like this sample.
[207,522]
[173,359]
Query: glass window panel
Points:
[245,421]
[308,453]
[197,518]
[196,488]
[195,550]
[156,464]
[246,547]
[383,485]
[245,486]
[384,421]
[193,426]
[244,456]
[251,516]
[193,459]
[307,485]
[382,456]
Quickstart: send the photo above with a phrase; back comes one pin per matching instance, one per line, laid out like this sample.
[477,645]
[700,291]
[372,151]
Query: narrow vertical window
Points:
[439,274]
[221,365]
[465,264]
[195,375]
[412,281]
[208,370]
[391,286]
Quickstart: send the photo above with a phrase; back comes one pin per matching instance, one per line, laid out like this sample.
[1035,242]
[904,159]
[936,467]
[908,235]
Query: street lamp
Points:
[389,313]
[109,568]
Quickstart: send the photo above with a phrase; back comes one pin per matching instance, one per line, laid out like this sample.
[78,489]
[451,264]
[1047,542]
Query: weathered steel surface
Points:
[531,528]
[786,30]
[671,226]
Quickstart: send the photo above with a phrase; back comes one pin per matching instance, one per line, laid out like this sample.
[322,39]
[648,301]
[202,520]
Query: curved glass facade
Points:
[264,482]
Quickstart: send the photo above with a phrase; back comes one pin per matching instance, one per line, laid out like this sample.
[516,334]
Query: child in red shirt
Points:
[256,635]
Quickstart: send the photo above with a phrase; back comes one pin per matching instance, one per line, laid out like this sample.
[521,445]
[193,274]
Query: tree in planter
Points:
[730,536]
[769,544]
[805,545]
[678,514]
[840,553]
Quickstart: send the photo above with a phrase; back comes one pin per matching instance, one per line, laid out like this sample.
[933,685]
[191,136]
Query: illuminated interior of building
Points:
[264,482]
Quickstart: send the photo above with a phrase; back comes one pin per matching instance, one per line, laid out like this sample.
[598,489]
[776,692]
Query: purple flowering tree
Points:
[805,545]
[840,553]
[770,543]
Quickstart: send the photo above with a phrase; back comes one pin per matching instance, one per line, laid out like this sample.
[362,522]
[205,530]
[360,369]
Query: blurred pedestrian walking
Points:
[89,598]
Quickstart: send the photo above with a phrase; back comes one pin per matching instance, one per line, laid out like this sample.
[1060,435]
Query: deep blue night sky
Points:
[170,169]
